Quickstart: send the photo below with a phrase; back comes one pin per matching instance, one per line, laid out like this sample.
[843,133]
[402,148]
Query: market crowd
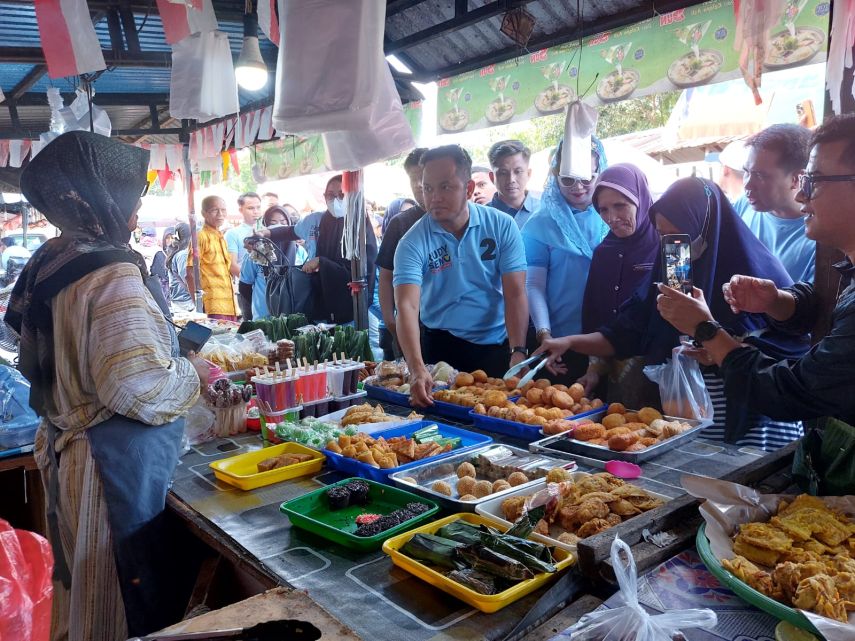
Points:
[476,270]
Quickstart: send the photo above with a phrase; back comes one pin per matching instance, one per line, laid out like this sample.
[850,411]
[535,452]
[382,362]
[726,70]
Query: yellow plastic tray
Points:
[484,602]
[242,470]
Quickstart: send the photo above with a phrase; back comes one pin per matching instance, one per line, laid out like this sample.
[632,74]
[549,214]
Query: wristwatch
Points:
[706,331]
[521,350]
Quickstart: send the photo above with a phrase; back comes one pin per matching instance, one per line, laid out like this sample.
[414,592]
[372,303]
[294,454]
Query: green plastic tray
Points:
[749,594]
[311,512]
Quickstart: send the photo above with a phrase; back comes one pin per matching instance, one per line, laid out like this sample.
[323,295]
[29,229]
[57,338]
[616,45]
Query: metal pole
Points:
[191,220]
[25,222]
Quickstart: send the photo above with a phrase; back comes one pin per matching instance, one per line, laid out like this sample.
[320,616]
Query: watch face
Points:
[706,330]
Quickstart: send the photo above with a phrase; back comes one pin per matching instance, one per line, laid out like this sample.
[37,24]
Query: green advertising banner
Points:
[678,50]
[297,156]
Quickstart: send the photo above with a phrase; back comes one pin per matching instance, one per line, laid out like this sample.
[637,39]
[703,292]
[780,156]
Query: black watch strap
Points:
[521,350]
[706,331]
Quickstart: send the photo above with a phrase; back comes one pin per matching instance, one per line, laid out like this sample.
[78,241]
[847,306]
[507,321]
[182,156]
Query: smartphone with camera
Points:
[193,337]
[677,262]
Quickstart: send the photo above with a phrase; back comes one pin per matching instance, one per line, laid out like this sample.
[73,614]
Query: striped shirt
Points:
[764,434]
[113,355]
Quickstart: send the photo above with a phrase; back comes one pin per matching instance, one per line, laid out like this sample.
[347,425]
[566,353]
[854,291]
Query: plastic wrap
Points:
[202,84]
[18,421]
[681,387]
[630,621]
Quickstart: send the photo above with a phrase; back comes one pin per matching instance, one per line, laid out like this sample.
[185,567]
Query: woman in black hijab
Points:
[105,377]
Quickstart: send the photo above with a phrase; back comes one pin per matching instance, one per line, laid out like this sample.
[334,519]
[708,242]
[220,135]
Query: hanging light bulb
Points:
[250,71]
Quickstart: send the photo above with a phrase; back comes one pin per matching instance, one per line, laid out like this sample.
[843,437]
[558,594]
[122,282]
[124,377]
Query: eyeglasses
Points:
[567,181]
[807,182]
[145,189]
[329,195]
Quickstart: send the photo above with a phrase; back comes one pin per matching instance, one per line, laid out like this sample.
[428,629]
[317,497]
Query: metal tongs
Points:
[516,369]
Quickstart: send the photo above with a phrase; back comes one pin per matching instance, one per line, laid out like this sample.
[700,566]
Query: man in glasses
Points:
[510,174]
[776,156]
[460,270]
[820,383]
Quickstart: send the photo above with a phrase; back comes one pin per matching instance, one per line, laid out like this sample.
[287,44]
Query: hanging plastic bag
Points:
[326,75]
[630,621]
[681,386]
[18,421]
[202,85]
[26,590]
[579,125]
[75,117]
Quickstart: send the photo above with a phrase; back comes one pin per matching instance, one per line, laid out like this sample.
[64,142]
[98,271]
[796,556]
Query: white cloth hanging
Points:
[18,152]
[202,85]
[175,157]
[840,51]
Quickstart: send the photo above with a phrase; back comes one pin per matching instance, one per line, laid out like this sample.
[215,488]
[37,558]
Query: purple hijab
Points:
[620,265]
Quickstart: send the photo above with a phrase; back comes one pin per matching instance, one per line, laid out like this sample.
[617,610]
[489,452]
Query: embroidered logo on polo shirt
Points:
[439,259]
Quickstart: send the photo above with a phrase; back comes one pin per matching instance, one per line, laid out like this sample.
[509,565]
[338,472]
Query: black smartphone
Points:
[193,337]
[677,262]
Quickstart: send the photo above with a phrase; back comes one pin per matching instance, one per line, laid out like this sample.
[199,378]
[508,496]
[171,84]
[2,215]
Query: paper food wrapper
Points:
[729,505]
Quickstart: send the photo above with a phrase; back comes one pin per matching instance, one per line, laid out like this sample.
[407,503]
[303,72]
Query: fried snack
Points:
[648,415]
[576,391]
[749,573]
[441,487]
[592,527]
[557,426]
[638,446]
[512,508]
[482,489]
[623,508]
[464,380]
[613,420]
[557,475]
[621,442]
[480,376]
[480,409]
[616,408]
[501,485]
[517,478]
[562,400]
[616,431]
[465,469]
[819,594]
[468,497]
[534,395]
[512,383]
[333,446]
[466,485]
[632,417]
[494,398]
[409,479]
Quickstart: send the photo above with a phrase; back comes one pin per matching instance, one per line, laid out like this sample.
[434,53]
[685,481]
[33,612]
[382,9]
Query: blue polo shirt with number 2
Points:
[461,280]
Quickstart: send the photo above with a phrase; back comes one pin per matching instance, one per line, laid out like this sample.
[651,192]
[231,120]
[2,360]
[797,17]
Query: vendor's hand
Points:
[699,354]
[749,294]
[516,359]
[555,348]
[312,265]
[421,388]
[684,312]
[589,381]
[203,370]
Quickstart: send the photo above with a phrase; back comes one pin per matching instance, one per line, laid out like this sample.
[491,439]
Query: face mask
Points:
[336,207]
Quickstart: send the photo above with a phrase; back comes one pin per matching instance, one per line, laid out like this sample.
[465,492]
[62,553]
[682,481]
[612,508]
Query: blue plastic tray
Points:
[468,441]
[387,396]
[521,431]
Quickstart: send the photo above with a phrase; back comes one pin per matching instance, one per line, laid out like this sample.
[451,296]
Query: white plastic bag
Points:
[326,76]
[630,621]
[579,126]
[202,85]
[681,387]
[199,424]
[388,132]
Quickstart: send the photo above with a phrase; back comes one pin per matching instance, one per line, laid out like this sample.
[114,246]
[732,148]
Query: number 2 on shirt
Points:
[489,247]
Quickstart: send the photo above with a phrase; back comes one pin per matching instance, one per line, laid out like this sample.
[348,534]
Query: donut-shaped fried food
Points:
[616,408]
[576,391]
[613,420]
[464,380]
[589,431]
[647,415]
[621,442]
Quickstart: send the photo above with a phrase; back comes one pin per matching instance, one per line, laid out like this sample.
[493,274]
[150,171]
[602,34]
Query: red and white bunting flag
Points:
[268,21]
[4,152]
[175,157]
[68,38]
[231,126]
[18,152]
[180,20]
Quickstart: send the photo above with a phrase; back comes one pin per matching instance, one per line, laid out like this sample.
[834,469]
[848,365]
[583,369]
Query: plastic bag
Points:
[326,74]
[630,621]
[26,590]
[681,386]
[199,424]
[579,125]
[18,421]
[203,85]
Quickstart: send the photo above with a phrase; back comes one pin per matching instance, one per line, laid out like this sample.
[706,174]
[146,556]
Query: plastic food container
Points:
[311,512]
[270,420]
[277,393]
[382,394]
[343,402]
[242,470]
[484,602]
[316,408]
[522,431]
[18,436]
[491,463]
[468,441]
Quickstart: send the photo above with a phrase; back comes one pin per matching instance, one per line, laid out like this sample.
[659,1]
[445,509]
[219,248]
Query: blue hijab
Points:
[554,222]
[394,209]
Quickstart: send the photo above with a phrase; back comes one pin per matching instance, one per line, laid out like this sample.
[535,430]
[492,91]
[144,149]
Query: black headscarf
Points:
[88,186]
[182,235]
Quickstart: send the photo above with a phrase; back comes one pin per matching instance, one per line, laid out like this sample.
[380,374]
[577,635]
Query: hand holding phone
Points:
[193,337]
[677,262]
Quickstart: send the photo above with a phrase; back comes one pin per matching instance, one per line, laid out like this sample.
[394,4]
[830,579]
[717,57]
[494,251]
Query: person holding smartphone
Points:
[721,245]
[107,379]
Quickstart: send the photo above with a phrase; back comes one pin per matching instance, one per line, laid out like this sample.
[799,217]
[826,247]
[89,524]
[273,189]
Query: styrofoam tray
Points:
[368,428]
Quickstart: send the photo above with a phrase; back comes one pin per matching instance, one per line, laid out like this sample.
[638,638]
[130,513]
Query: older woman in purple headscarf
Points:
[621,263]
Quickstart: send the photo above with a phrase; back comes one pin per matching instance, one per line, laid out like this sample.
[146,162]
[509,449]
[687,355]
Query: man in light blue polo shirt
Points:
[249,205]
[461,269]
[511,173]
[776,157]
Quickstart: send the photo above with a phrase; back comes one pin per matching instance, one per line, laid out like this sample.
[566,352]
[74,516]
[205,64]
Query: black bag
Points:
[289,291]
[824,462]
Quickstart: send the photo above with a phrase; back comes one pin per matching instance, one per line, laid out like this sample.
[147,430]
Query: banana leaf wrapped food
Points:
[480,582]
[436,550]
[486,560]
[462,532]
[514,548]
